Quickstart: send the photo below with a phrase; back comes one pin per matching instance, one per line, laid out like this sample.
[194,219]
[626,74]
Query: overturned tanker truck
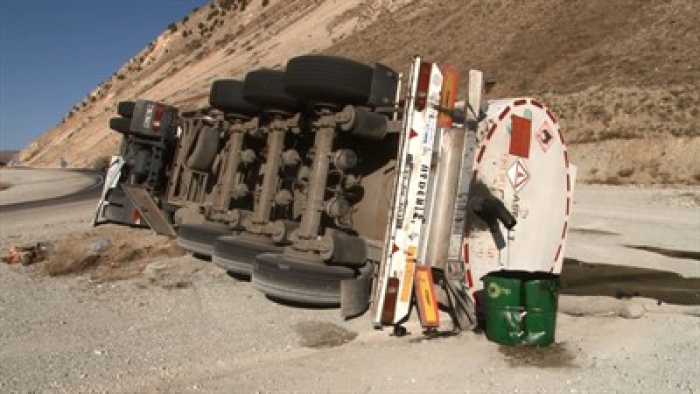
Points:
[330,184]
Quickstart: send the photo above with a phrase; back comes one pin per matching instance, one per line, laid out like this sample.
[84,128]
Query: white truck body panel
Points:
[411,196]
[522,160]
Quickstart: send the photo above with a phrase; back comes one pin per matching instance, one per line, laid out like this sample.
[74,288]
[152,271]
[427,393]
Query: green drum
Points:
[520,307]
[541,300]
[503,308]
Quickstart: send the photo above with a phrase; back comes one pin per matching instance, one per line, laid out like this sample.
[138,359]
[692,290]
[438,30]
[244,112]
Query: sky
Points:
[54,52]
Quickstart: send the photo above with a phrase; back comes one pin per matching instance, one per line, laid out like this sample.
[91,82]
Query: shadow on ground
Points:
[582,278]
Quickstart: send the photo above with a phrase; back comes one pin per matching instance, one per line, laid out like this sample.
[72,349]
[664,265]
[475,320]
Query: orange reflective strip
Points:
[425,295]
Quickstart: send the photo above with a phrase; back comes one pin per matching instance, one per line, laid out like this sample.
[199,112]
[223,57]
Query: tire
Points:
[205,150]
[328,79]
[237,254]
[227,96]
[287,279]
[126,109]
[121,125]
[199,238]
[266,89]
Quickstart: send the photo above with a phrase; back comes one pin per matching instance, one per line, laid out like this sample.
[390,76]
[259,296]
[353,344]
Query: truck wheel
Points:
[126,109]
[205,150]
[227,96]
[287,279]
[328,79]
[199,238]
[237,254]
[266,89]
[122,125]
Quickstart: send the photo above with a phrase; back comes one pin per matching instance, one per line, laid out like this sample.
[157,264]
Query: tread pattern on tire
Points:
[227,96]
[328,79]
[199,238]
[280,277]
[237,255]
[266,88]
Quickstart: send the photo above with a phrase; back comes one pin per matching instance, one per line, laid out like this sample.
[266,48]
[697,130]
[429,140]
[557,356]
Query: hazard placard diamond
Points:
[545,136]
[518,175]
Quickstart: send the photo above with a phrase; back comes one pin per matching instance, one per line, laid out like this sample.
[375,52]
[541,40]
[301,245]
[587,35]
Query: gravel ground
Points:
[183,325]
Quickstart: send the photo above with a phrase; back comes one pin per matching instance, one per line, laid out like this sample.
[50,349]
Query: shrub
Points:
[612,180]
[172,27]
[228,4]
[625,172]
[212,15]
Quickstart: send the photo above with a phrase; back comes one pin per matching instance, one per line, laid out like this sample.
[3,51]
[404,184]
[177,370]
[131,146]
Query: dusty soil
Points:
[179,324]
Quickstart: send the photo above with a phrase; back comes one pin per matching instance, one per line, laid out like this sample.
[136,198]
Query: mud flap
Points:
[149,210]
[355,293]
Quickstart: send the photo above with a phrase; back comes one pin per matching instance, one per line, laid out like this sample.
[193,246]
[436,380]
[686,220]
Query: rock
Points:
[632,311]
[100,246]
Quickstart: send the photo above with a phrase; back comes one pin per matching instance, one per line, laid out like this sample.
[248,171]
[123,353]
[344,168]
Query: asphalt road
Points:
[91,192]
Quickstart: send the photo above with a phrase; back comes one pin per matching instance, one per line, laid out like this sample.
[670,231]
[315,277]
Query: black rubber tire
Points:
[284,278]
[328,79]
[199,238]
[126,109]
[227,96]
[266,89]
[205,150]
[237,254]
[121,125]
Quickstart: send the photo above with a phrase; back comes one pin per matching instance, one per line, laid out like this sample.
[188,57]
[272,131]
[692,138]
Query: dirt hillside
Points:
[622,76]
